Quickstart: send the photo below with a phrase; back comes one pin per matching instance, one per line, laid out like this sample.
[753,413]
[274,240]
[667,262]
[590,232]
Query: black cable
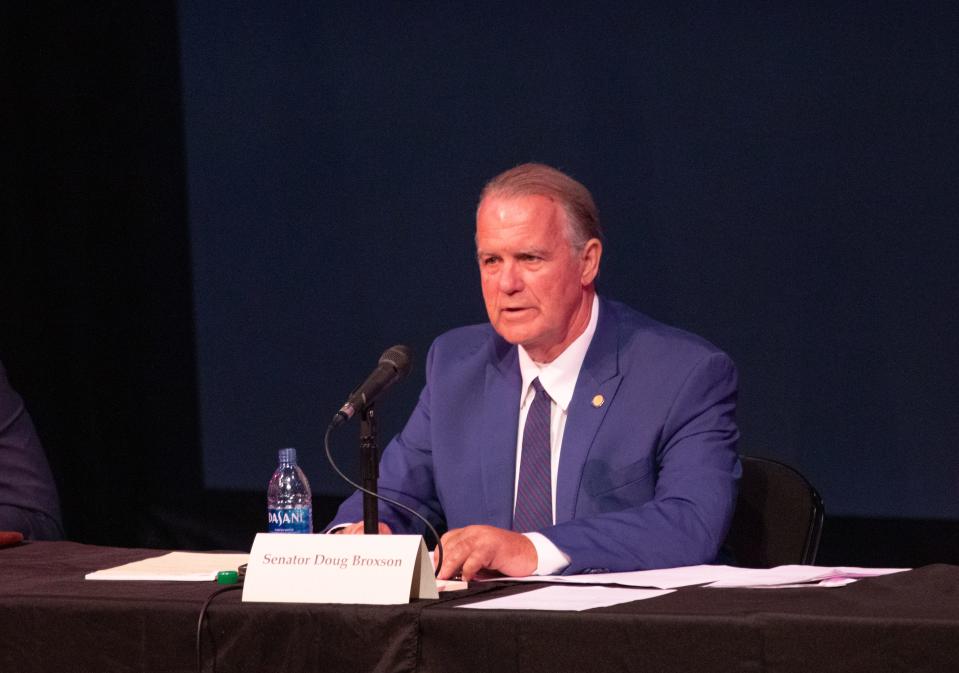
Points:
[199,624]
[329,457]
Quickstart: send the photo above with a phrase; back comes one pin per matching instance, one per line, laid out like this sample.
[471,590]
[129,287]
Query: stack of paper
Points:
[799,576]
[179,566]
[719,576]
[663,581]
[667,578]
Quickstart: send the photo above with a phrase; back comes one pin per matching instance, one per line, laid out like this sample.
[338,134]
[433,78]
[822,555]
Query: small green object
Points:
[227,577]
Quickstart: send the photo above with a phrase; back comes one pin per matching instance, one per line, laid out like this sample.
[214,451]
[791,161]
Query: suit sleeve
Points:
[406,474]
[28,496]
[698,468]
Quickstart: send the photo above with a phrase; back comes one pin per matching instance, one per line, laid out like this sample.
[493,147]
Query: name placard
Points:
[370,569]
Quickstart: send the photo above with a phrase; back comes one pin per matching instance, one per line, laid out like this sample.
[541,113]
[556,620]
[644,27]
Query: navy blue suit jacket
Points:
[28,496]
[647,478]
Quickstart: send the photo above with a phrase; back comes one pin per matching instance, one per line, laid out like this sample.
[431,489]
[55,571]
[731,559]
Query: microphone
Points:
[394,364]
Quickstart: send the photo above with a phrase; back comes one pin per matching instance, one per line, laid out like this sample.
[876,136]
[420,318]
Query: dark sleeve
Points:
[28,496]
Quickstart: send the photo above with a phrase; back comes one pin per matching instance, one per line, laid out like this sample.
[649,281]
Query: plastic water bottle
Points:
[289,503]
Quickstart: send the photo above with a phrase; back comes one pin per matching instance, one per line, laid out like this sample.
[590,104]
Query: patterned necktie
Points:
[534,499]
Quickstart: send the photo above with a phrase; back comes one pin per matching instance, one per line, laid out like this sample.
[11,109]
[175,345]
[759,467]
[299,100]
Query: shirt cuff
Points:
[549,559]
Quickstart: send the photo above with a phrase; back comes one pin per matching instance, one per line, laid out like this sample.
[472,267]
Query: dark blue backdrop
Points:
[779,179]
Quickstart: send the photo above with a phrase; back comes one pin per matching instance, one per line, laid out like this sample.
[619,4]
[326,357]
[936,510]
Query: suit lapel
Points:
[599,375]
[498,440]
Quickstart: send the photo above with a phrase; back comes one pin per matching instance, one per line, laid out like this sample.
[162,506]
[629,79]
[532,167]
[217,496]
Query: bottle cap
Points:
[227,577]
[288,455]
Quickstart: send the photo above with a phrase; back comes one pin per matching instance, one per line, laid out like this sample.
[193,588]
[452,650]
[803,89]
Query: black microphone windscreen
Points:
[399,357]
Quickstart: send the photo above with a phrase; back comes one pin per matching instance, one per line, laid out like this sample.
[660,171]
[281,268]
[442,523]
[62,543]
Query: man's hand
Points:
[357,529]
[473,548]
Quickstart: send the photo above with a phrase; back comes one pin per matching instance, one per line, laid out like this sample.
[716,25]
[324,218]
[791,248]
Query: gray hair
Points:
[542,180]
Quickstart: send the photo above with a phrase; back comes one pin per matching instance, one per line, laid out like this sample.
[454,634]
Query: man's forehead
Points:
[532,237]
[523,216]
[504,207]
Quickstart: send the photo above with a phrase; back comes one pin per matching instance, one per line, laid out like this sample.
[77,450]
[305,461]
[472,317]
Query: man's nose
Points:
[510,280]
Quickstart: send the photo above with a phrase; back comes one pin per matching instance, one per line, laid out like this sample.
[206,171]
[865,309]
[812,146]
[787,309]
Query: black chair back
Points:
[779,517]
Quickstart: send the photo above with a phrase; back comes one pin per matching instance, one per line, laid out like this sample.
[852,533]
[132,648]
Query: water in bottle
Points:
[289,502]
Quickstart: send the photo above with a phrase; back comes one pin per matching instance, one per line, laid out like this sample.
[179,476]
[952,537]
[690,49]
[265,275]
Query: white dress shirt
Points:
[558,379]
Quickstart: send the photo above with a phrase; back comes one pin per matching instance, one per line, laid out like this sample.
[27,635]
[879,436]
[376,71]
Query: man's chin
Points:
[512,335]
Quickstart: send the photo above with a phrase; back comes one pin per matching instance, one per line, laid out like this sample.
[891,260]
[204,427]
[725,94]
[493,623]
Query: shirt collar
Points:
[559,376]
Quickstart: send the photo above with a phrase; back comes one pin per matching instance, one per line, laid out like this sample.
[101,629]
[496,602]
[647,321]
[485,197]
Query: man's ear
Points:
[590,257]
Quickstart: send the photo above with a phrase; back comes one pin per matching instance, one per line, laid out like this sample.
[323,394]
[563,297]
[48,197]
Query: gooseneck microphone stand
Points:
[370,459]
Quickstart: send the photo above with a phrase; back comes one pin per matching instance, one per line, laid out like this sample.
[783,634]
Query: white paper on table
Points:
[828,582]
[451,585]
[567,598]
[799,575]
[666,578]
[179,566]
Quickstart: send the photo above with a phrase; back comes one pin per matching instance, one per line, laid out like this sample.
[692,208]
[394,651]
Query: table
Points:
[51,619]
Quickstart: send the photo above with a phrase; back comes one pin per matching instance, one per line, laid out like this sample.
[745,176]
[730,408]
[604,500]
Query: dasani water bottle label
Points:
[290,520]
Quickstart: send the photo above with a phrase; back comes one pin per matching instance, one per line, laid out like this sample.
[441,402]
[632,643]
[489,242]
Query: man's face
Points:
[537,288]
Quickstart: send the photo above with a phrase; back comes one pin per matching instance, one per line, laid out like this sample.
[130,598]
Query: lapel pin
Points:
[598,401]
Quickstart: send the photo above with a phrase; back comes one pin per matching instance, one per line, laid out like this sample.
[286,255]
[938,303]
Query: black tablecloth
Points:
[51,619]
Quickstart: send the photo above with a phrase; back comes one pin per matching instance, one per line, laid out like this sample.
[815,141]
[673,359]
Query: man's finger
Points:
[451,560]
[359,528]
[473,565]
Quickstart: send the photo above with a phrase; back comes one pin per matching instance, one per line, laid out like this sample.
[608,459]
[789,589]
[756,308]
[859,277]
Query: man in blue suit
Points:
[572,434]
